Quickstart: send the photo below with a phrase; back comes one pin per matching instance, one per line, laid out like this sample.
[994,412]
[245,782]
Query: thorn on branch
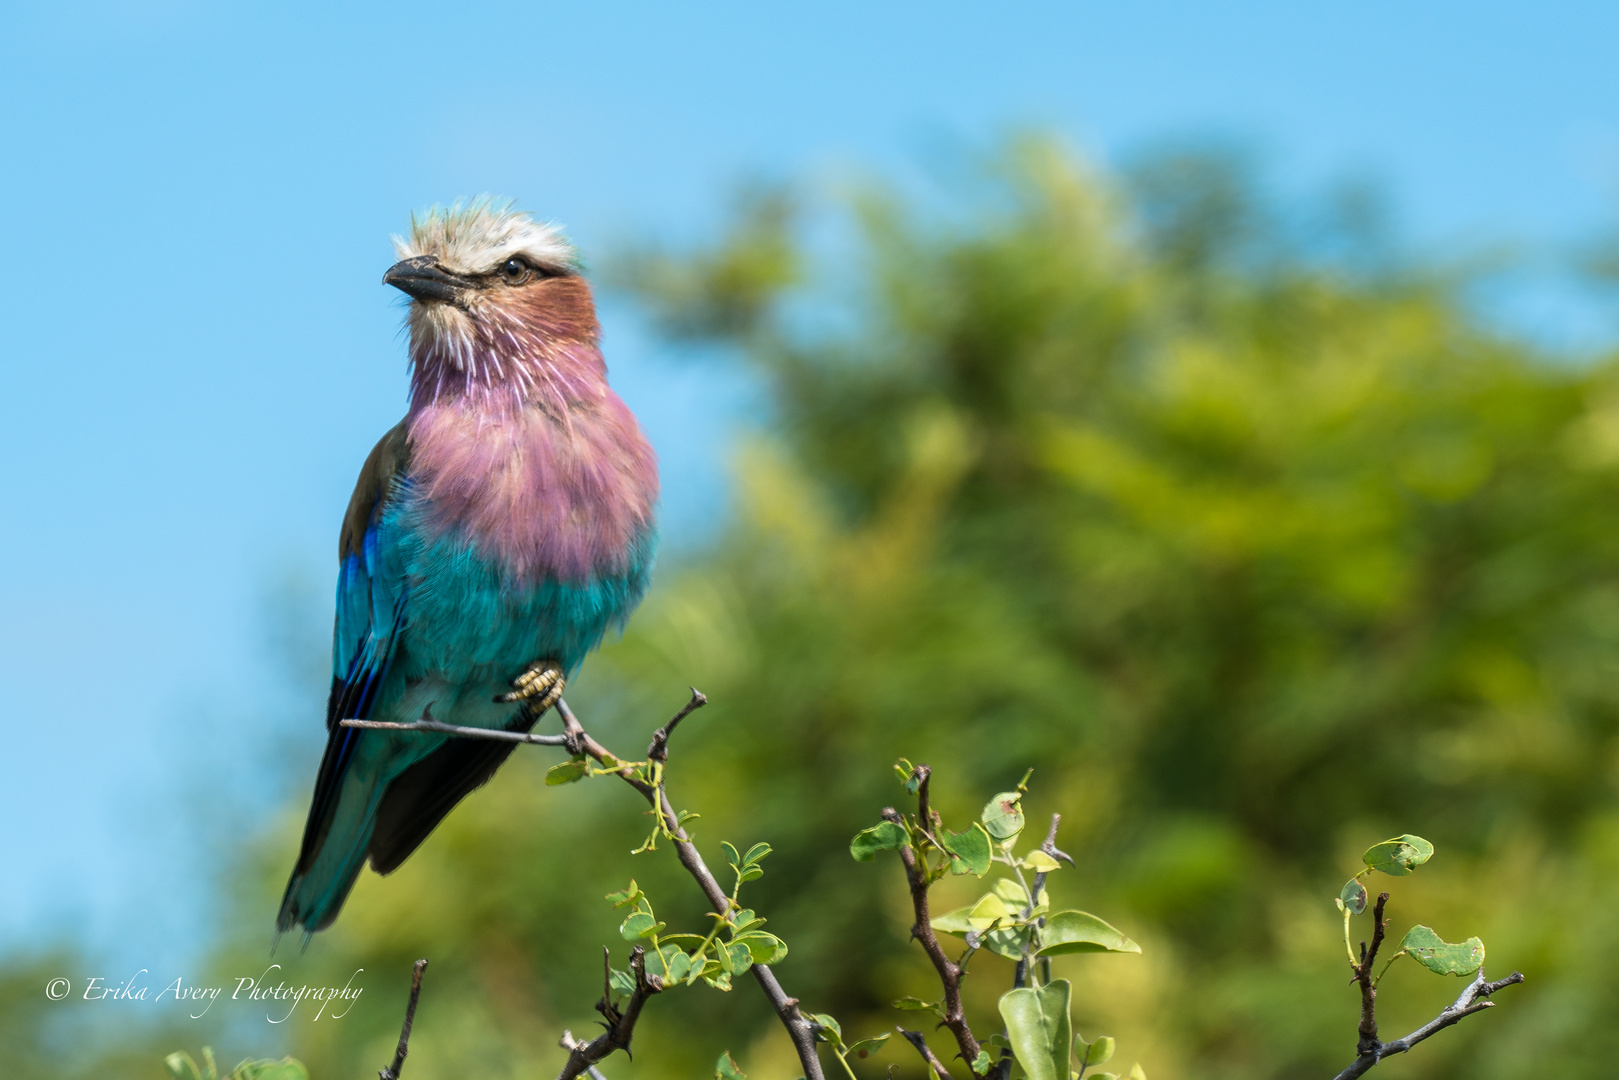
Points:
[392,1071]
[620,1024]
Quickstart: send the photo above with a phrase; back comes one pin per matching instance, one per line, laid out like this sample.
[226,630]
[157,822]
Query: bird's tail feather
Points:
[315,895]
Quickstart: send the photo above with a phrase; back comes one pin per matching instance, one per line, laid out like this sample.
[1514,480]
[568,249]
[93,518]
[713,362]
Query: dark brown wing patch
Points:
[388,459]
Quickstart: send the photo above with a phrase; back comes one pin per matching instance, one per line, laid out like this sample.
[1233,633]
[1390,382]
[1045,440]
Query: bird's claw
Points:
[539,687]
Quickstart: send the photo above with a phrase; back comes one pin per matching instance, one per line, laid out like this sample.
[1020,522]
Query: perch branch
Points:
[392,1071]
[582,1057]
[1369,1049]
[427,723]
[916,874]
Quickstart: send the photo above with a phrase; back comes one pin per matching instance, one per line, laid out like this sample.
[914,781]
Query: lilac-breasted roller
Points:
[496,533]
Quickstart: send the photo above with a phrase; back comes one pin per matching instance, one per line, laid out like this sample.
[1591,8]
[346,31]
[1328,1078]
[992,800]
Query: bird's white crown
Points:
[476,236]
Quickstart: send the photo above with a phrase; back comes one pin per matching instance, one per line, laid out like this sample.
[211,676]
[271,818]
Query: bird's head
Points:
[497,303]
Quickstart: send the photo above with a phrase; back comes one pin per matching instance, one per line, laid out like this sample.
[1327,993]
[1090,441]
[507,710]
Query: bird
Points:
[496,534]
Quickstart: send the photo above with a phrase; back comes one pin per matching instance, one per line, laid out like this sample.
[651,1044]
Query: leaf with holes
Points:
[1440,956]
[1399,856]
[1353,896]
[726,1068]
[1003,817]
[867,1047]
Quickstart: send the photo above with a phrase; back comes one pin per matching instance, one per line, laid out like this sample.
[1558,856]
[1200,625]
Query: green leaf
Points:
[721,982]
[1003,818]
[702,968]
[1038,1025]
[1102,1076]
[981,916]
[732,856]
[639,924]
[866,1047]
[756,853]
[726,1068]
[1353,896]
[1098,1052]
[1008,941]
[622,982]
[969,850]
[1040,862]
[1137,1072]
[914,1004]
[1013,895]
[980,1065]
[181,1066]
[1439,956]
[628,896]
[885,837]
[738,957]
[830,1024]
[679,967]
[1081,932]
[567,772]
[285,1069]
[1398,857]
[765,948]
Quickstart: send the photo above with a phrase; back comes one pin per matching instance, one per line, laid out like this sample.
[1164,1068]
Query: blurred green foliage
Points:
[1259,544]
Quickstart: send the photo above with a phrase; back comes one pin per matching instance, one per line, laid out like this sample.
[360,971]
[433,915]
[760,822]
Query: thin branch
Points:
[427,723]
[579,741]
[916,874]
[1473,999]
[392,1071]
[620,1024]
[1367,1042]
[659,750]
[568,1042]
[915,1039]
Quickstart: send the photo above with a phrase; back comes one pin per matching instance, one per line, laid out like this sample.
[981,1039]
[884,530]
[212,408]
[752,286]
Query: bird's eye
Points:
[515,271]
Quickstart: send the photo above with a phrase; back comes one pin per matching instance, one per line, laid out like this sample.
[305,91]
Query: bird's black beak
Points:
[423,279]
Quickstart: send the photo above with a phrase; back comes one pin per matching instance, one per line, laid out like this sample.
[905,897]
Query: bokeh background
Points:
[1216,409]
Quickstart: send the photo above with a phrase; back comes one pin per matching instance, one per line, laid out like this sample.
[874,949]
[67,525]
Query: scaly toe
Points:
[540,685]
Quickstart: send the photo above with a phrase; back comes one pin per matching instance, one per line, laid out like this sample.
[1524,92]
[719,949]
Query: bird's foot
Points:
[539,687]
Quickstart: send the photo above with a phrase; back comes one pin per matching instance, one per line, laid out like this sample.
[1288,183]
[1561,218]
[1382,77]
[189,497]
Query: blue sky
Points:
[198,352]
